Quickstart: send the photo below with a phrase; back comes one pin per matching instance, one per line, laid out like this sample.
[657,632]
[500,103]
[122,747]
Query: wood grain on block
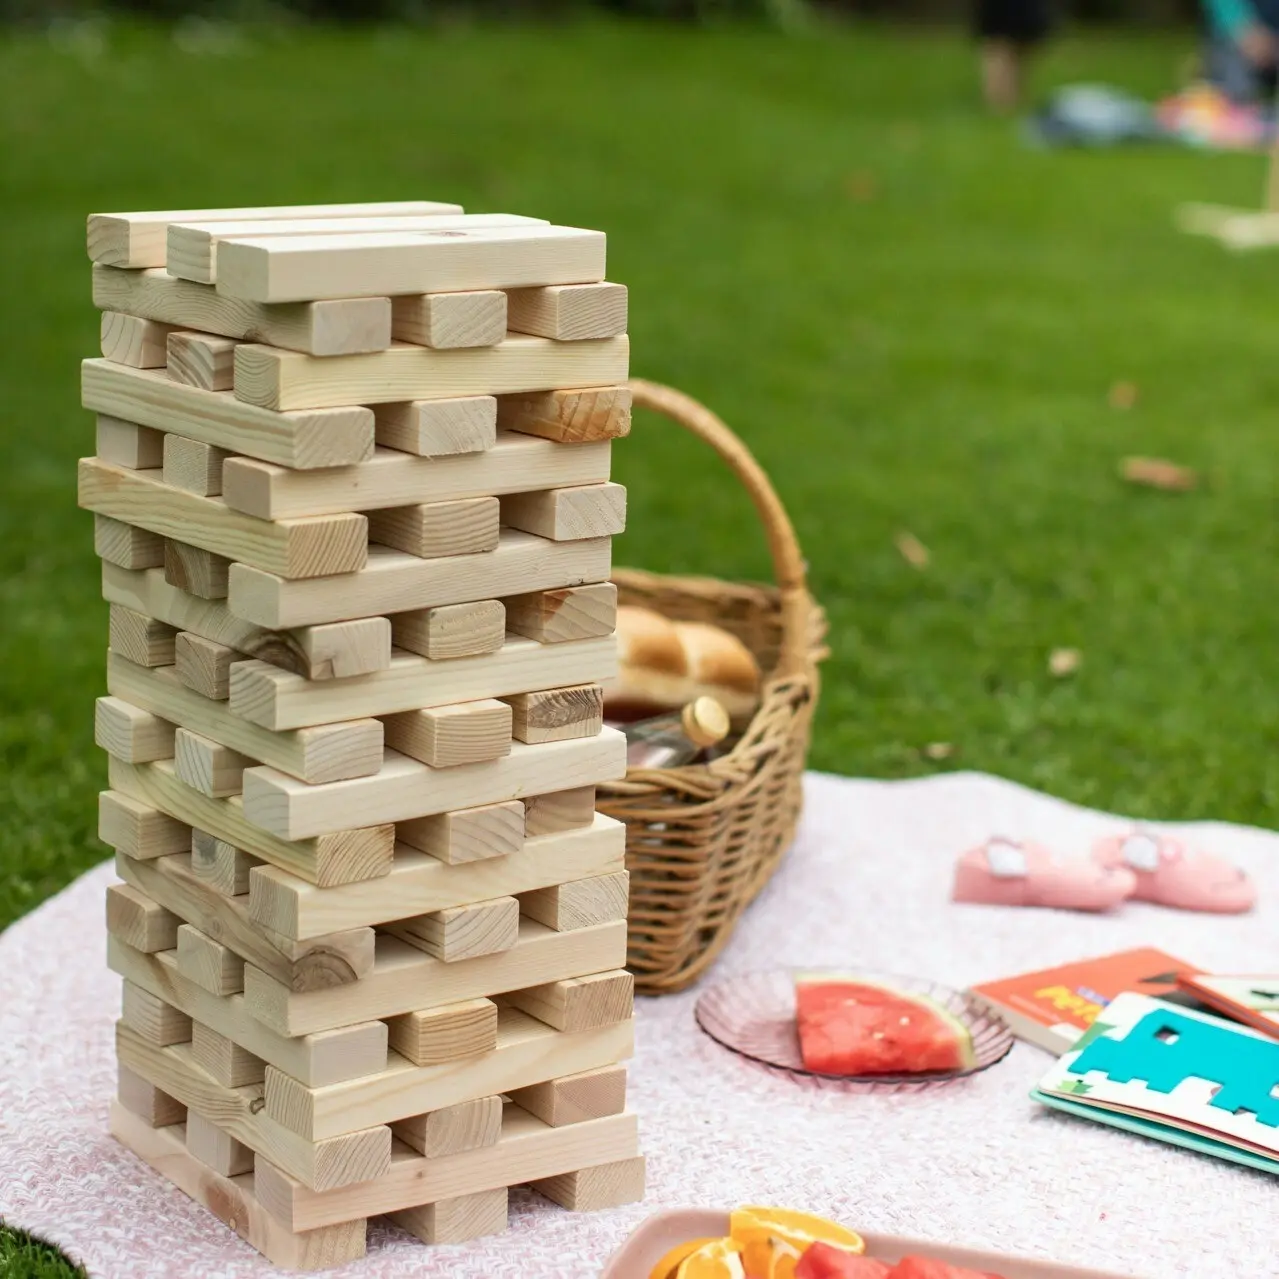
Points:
[146,1102]
[467,834]
[580,904]
[233,1202]
[466,526]
[514,464]
[224,1059]
[452,1129]
[200,359]
[447,320]
[568,312]
[419,883]
[140,639]
[457,1220]
[141,239]
[438,428]
[527,1150]
[127,547]
[152,1019]
[315,1060]
[350,326]
[573,1099]
[451,630]
[579,1003]
[341,650]
[445,736]
[131,734]
[195,570]
[137,829]
[321,438]
[322,753]
[343,857]
[293,548]
[211,768]
[559,810]
[220,865]
[140,922]
[405,788]
[593,1189]
[462,932]
[569,416]
[557,714]
[526,1052]
[137,447]
[216,1149]
[204,666]
[291,269]
[208,963]
[324,1164]
[193,466]
[559,616]
[564,515]
[448,1033]
[128,339]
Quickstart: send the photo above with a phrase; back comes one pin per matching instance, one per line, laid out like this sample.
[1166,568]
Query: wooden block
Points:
[138,921]
[145,1101]
[468,834]
[462,932]
[195,570]
[467,1126]
[291,269]
[339,858]
[138,447]
[419,883]
[129,733]
[568,312]
[558,617]
[569,416]
[451,630]
[209,963]
[345,327]
[209,767]
[216,1149]
[322,753]
[203,666]
[322,438]
[448,1033]
[458,1219]
[581,904]
[152,1019]
[199,359]
[224,1059]
[438,428]
[445,736]
[465,527]
[579,1003]
[573,1099]
[405,978]
[559,811]
[593,1189]
[233,1202]
[137,829]
[192,466]
[139,639]
[126,339]
[123,545]
[405,788]
[447,320]
[220,865]
[515,464]
[557,714]
[314,1060]
[340,650]
[564,515]
[295,548]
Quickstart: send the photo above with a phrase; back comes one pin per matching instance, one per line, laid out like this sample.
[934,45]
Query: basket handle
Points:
[789,566]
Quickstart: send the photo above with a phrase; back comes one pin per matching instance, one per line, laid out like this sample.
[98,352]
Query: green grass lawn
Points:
[913,319]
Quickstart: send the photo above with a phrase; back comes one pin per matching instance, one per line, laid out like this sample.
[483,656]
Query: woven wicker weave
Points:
[702,840]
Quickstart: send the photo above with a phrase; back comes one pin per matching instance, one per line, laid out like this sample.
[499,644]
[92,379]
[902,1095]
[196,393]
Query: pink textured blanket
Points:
[867,885]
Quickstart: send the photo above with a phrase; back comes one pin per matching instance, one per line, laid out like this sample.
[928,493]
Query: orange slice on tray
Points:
[715,1259]
[668,1267]
[772,1240]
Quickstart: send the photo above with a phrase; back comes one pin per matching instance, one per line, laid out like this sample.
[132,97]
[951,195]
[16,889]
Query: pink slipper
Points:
[1169,873]
[1002,872]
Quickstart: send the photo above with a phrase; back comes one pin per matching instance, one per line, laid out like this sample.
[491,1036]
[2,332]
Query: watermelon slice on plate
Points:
[930,1268]
[821,1261]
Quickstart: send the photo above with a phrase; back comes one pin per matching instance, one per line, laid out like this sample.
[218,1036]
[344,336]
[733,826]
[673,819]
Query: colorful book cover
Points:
[1054,1007]
[1177,1075]
[1251,999]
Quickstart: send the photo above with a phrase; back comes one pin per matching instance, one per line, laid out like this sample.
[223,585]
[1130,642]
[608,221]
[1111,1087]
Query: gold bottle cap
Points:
[705,721]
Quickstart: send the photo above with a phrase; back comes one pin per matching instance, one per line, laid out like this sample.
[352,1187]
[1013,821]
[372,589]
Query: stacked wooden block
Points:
[352,499]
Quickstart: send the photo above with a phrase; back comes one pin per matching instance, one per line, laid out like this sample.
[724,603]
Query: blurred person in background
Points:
[1008,32]
[1243,49]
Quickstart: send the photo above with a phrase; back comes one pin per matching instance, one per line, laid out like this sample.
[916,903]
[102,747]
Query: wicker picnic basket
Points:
[703,839]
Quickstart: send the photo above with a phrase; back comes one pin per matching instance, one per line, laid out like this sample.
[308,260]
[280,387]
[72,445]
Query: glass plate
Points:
[753,1014]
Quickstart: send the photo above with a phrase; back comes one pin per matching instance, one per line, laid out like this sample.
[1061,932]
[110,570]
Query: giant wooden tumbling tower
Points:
[352,499]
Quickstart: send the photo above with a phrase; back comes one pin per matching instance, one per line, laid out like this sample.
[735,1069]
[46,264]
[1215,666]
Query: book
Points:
[1252,999]
[1054,1007]
[1175,1074]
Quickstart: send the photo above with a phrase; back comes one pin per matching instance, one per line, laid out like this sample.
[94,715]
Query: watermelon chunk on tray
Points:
[821,1261]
